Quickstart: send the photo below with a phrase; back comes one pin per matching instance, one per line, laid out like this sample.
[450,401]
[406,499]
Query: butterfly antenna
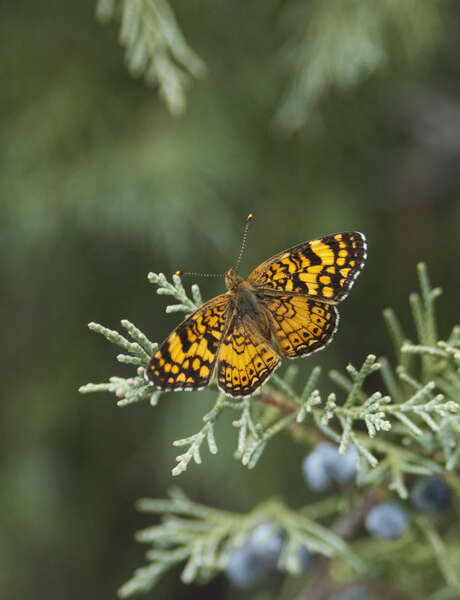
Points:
[243,243]
[200,274]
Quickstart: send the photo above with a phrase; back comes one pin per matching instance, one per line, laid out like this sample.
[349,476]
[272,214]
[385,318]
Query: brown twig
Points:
[280,403]
[301,432]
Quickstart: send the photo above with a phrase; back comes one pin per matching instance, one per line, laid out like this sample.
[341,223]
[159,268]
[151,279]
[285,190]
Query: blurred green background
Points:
[100,184]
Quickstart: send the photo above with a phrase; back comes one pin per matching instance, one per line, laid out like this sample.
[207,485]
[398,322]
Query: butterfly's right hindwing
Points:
[300,325]
[186,359]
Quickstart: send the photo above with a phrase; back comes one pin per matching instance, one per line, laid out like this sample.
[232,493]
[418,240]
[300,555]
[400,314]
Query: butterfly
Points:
[288,300]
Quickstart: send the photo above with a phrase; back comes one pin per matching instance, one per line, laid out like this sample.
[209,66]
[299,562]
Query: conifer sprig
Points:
[155,47]
[409,428]
[421,406]
[339,44]
[202,538]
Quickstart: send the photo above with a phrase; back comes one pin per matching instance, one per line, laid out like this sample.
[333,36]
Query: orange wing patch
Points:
[301,325]
[324,269]
[246,359]
[186,359]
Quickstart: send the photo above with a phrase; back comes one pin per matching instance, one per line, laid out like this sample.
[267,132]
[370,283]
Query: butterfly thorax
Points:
[245,302]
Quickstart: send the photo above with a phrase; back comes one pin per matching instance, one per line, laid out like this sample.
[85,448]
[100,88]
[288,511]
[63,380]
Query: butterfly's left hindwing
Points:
[323,269]
[186,359]
[246,359]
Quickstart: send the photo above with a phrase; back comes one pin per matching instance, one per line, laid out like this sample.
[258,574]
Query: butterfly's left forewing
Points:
[186,359]
[323,269]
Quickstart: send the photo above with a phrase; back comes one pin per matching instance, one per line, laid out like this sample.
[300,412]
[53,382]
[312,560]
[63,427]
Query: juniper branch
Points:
[412,408]
[177,291]
[136,388]
[203,538]
[155,47]
[194,441]
[412,430]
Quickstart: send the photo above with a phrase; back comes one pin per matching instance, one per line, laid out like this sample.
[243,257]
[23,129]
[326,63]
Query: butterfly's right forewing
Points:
[323,269]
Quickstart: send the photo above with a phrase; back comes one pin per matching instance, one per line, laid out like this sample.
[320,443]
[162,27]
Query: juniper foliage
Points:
[339,44]
[333,45]
[411,428]
[155,47]
[203,538]
[418,412]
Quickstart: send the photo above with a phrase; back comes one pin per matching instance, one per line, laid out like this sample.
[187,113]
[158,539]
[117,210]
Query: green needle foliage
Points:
[155,47]
[337,44]
[419,410]
[410,428]
[203,538]
[328,46]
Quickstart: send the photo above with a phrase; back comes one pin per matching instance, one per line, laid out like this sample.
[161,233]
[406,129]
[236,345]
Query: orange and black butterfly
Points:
[289,300]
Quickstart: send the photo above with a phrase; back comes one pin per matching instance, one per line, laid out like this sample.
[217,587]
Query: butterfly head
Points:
[232,280]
